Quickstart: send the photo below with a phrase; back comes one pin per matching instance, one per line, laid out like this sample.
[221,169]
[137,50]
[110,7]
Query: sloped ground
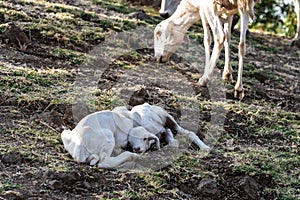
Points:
[256,146]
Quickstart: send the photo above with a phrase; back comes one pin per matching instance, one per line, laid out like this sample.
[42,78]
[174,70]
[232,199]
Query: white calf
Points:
[156,120]
[101,135]
[215,15]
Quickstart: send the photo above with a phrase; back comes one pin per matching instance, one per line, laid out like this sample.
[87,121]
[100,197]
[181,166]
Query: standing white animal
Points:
[216,15]
[168,7]
[101,135]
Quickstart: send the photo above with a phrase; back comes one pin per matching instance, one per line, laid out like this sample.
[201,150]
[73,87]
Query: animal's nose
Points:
[137,149]
[164,15]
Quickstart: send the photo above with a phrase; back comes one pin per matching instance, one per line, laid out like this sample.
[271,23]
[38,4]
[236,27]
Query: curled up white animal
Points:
[156,120]
[99,138]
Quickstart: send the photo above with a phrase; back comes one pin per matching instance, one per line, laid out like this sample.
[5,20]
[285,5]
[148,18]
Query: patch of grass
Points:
[115,5]
[15,15]
[104,100]
[7,185]
[31,87]
[266,48]
[75,57]
[281,165]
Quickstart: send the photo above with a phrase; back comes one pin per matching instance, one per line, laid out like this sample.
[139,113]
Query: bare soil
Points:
[34,164]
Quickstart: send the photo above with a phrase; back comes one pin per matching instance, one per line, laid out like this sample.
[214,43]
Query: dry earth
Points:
[255,144]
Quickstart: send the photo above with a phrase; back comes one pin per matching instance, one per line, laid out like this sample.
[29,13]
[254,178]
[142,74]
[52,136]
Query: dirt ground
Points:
[255,152]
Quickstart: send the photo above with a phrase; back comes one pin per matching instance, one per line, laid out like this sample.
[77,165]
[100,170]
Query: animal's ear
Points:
[156,139]
[123,123]
[186,39]
[137,119]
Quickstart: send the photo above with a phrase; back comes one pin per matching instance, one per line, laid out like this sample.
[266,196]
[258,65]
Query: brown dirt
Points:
[32,178]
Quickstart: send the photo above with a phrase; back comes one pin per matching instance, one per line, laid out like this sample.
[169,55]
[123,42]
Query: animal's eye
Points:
[158,34]
[145,139]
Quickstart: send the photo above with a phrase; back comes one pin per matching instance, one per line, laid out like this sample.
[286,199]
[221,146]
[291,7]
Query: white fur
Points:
[101,135]
[99,138]
[168,7]
[156,120]
[168,34]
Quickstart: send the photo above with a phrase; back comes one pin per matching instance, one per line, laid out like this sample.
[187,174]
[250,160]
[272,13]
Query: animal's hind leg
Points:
[238,88]
[227,73]
[170,138]
[112,162]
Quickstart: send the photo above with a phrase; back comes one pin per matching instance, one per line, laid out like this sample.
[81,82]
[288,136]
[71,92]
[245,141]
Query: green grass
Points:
[31,87]
[274,130]
[115,5]
[280,164]
[6,186]
[73,56]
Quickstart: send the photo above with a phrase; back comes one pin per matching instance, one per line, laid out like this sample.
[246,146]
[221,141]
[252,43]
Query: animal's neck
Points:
[185,16]
[122,140]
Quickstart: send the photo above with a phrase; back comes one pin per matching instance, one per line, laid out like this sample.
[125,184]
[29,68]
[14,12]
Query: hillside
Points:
[94,55]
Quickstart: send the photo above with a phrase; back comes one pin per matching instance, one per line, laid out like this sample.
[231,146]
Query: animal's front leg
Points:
[207,42]
[238,89]
[219,38]
[227,72]
[113,162]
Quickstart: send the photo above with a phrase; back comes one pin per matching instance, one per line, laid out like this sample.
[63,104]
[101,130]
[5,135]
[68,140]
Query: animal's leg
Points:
[238,89]
[112,162]
[207,43]
[219,38]
[193,137]
[104,152]
[227,73]
[297,36]
[93,159]
[170,138]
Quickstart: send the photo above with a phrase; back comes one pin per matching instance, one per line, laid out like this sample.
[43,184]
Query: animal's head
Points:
[168,7]
[167,39]
[141,140]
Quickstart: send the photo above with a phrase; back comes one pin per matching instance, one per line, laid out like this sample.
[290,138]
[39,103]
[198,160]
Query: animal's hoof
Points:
[202,82]
[239,94]
[174,143]
[227,77]
[205,148]
[295,43]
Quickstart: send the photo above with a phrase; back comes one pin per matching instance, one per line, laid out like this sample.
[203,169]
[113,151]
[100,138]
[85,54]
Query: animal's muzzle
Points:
[164,15]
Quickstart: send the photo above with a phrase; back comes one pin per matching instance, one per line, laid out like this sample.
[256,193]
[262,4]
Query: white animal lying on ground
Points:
[156,120]
[216,15]
[101,135]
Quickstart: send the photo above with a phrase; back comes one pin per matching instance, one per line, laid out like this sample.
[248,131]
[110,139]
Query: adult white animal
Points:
[168,7]
[101,135]
[156,120]
[216,15]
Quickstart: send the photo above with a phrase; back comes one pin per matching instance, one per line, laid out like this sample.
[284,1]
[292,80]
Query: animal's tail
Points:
[172,124]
